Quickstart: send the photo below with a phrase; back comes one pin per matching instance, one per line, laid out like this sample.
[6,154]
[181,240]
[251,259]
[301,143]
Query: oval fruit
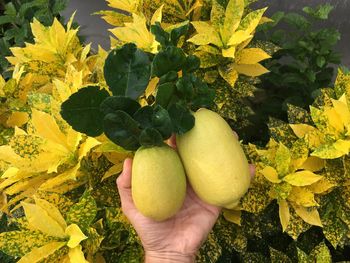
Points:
[158,182]
[214,161]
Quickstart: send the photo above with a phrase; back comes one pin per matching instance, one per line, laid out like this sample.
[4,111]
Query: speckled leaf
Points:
[93,243]
[40,253]
[210,251]
[83,212]
[278,256]
[282,160]
[298,115]
[296,225]
[321,254]
[19,243]
[256,199]
[281,131]
[132,254]
[60,201]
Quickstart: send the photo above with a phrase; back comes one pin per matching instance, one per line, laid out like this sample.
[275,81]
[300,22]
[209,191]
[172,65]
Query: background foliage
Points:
[298,207]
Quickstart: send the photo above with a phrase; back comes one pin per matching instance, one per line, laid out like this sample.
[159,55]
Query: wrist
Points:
[168,257]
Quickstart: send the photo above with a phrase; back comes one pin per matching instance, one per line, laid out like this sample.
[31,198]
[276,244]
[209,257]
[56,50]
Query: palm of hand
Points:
[183,233]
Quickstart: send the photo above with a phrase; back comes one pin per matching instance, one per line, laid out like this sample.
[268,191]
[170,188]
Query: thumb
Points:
[124,188]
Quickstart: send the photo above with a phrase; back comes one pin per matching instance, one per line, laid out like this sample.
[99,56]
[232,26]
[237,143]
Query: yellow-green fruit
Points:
[214,161]
[158,182]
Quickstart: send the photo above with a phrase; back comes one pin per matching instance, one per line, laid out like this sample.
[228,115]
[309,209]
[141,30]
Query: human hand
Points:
[176,239]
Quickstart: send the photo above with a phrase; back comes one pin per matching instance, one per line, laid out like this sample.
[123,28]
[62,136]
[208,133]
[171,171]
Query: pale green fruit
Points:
[158,182]
[214,161]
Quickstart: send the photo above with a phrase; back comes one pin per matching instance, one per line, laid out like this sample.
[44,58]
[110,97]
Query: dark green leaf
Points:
[171,59]
[114,103]
[161,36]
[321,61]
[162,122]
[144,116]
[150,137]
[165,93]
[192,63]
[121,129]
[127,71]
[185,87]
[82,110]
[178,32]
[296,20]
[182,118]
[169,77]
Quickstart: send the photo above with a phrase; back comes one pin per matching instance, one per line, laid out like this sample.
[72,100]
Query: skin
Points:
[176,239]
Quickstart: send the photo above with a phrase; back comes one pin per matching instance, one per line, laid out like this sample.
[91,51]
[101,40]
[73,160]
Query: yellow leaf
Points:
[17,119]
[58,180]
[137,32]
[321,186]
[302,196]
[342,146]
[115,169]
[76,255]
[252,70]
[39,254]
[341,107]
[229,74]
[39,219]
[229,52]
[284,214]
[10,172]
[130,6]
[251,21]
[233,15]
[87,146]
[206,34]
[302,178]
[313,164]
[2,84]
[239,37]
[75,235]
[251,56]
[271,174]
[310,215]
[157,16]
[52,211]
[233,216]
[114,18]
[151,88]
[334,119]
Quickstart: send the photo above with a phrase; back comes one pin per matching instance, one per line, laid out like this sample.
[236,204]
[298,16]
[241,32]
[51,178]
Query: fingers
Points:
[252,171]
[172,141]
[124,179]
[124,189]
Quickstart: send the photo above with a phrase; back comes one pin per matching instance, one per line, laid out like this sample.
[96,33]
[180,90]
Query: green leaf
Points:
[121,129]
[82,110]
[320,12]
[127,71]
[82,213]
[178,32]
[132,254]
[182,118]
[144,116]
[162,122]
[150,137]
[171,59]
[296,20]
[192,63]
[160,34]
[185,87]
[165,93]
[115,103]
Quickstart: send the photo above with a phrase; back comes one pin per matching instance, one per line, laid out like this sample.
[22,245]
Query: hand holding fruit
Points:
[176,239]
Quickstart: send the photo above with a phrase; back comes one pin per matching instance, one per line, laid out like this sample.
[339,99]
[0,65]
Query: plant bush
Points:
[59,202]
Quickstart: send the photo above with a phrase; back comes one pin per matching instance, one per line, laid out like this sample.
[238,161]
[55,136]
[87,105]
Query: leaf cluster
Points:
[303,65]
[128,71]
[15,19]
